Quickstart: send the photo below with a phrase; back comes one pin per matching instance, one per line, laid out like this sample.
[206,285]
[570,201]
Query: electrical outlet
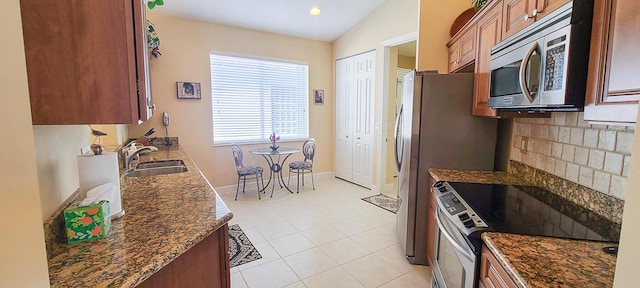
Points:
[86,150]
[524,145]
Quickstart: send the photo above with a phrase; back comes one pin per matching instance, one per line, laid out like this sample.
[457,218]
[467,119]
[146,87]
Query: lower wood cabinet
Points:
[431,223]
[492,274]
[204,265]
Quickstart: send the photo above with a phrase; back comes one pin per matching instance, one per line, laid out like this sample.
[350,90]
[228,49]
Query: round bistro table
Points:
[273,158]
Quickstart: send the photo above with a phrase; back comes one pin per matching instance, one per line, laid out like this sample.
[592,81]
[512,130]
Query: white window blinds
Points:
[253,97]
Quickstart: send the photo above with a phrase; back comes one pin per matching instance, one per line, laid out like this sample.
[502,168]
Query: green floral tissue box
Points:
[87,222]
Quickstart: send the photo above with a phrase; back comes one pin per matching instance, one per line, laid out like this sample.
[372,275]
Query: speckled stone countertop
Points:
[534,261]
[165,216]
[475,176]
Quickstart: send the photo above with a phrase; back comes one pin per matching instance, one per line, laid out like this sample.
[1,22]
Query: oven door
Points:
[455,264]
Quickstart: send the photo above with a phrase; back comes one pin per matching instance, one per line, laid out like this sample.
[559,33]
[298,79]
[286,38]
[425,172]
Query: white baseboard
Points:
[231,189]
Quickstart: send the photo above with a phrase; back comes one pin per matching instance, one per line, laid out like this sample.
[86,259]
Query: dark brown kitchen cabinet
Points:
[520,13]
[204,265]
[86,61]
[462,49]
[431,223]
[613,85]
[492,274]
[489,33]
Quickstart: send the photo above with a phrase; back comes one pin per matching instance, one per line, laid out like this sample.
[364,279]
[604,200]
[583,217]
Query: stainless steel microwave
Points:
[544,67]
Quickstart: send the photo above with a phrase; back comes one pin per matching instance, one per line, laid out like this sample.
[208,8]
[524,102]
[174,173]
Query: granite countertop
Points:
[476,176]
[165,216]
[535,261]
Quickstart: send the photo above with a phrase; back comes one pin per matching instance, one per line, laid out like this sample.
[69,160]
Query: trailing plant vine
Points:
[477,4]
[153,41]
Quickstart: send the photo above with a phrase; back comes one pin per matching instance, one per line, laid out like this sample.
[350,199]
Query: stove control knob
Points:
[463,216]
[469,223]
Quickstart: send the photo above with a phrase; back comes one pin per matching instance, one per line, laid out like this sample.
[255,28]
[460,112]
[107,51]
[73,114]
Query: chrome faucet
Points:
[131,153]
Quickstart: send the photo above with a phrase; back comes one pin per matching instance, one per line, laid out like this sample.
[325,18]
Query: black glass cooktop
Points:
[534,211]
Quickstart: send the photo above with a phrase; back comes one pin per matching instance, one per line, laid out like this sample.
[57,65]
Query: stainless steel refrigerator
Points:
[435,129]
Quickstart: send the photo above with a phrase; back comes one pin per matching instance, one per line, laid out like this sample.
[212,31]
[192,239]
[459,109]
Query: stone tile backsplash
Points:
[595,156]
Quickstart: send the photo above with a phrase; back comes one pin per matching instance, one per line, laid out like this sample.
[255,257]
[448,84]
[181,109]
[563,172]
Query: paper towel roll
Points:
[94,170]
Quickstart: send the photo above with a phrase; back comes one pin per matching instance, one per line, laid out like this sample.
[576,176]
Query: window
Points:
[253,97]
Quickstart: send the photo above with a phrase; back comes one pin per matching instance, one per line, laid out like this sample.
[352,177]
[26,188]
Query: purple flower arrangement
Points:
[274,138]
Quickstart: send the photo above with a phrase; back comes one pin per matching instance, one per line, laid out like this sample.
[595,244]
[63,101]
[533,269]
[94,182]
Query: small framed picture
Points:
[318,96]
[188,90]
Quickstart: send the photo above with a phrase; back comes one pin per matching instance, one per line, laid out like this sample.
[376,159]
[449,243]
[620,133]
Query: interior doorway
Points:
[399,59]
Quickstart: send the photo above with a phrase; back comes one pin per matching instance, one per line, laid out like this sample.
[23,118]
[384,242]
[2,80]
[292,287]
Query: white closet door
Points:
[363,118]
[344,123]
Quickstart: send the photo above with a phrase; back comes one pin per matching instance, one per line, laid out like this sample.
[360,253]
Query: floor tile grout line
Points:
[358,213]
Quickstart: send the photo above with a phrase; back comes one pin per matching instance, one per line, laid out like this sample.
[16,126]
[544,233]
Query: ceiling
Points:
[286,17]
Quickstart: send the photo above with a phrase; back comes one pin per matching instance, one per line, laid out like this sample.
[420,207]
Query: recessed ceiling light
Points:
[315,11]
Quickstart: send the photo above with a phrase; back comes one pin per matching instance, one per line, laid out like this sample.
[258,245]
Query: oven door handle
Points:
[453,242]
[523,67]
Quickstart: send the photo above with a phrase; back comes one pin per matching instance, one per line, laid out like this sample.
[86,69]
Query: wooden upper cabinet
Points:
[613,85]
[454,56]
[86,60]
[544,7]
[517,15]
[520,13]
[462,49]
[489,33]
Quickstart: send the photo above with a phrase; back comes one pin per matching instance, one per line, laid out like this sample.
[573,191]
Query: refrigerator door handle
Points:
[396,133]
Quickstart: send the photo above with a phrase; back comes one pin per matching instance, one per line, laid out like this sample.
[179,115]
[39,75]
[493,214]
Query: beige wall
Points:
[185,47]
[56,149]
[406,62]
[23,261]
[392,19]
[116,134]
[436,18]
[627,269]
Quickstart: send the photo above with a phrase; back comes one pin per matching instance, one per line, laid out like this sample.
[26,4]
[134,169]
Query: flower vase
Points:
[274,147]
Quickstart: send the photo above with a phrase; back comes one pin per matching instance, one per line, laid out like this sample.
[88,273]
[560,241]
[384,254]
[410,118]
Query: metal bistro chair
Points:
[306,166]
[244,171]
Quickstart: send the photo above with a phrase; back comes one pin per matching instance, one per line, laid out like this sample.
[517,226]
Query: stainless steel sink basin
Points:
[160,163]
[155,171]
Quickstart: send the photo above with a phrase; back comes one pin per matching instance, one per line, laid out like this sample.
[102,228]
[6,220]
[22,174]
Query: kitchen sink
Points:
[155,171]
[160,163]
[154,168]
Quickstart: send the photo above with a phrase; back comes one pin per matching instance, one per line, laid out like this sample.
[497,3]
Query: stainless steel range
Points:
[465,210]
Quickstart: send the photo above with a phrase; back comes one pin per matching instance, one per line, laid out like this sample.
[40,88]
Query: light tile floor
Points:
[326,237]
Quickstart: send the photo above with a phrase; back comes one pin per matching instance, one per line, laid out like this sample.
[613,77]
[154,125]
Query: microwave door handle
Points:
[523,68]
[396,134]
[453,242]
